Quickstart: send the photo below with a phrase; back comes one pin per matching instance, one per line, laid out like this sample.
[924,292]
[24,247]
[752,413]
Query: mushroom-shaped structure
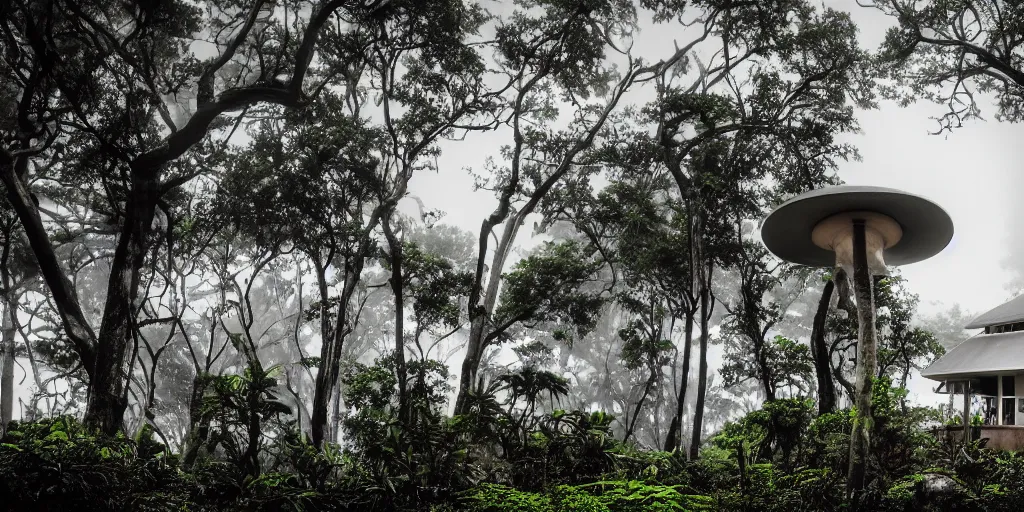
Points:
[858,229]
[815,228]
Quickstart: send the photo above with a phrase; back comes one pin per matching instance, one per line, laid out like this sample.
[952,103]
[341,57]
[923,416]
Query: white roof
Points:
[980,355]
[1006,313]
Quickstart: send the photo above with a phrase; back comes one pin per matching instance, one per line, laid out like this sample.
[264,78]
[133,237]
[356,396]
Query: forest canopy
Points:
[225,292]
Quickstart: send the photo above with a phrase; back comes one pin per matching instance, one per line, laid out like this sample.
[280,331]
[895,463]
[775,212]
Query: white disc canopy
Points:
[816,228]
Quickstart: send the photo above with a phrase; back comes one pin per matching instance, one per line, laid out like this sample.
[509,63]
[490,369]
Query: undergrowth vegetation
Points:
[780,458]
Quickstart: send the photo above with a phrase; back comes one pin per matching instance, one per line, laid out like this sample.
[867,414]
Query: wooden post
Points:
[867,356]
[967,411]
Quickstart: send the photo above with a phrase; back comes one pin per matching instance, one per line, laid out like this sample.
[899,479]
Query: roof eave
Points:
[939,377]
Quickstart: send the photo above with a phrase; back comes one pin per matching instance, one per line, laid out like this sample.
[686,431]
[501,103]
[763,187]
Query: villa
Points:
[988,370]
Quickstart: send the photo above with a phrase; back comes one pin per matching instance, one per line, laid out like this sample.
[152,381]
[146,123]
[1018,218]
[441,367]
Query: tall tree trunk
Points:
[104,356]
[702,371]
[10,311]
[199,426]
[254,430]
[480,310]
[397,287]
[648,386]
[658,423]
[335,430]
[751,323]
[675,430]
[480,313]
[326,381]
[763,370]
[822,362]
[7,384]
[863,423]
[331,350]
[108,397]
[72,317]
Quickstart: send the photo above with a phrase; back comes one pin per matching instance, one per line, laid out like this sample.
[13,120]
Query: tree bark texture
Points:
[822,363]
[330,352]
[763,370]
[108,397]
[397,287]
[753,329]
[675,430]
[199,426]
[702,370]
[480,313]
[867,356]
[7,382]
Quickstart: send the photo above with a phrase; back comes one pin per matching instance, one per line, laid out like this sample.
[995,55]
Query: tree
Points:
[345,173]
[645,347]
[784,128]
[107,78]
[947,325]
[948,51]
[17,273]
[905,347]
[438,275]
[718,137]
[433,288]
[317,188]
[556,52]
[822,357]
[761,305]
[636,226]
[434,75]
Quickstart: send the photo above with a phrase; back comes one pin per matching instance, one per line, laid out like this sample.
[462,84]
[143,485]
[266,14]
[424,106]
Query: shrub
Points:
[910,494]
[499,498]
[636,496]
[772,433]
[59,464]
[567,498]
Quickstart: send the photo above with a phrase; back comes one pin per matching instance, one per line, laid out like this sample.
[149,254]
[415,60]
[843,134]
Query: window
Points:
[955,387]
[988,410]
[989,386]
[1008,385]
[996,329]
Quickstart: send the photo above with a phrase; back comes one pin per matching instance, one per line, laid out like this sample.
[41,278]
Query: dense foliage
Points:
[779,458]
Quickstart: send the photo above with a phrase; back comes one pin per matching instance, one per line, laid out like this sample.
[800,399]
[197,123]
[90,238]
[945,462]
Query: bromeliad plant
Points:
[243,409]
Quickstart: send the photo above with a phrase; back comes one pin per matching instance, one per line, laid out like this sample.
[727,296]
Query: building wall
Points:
[1004,438]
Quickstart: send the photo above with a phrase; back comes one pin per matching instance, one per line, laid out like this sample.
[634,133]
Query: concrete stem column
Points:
[867,356]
